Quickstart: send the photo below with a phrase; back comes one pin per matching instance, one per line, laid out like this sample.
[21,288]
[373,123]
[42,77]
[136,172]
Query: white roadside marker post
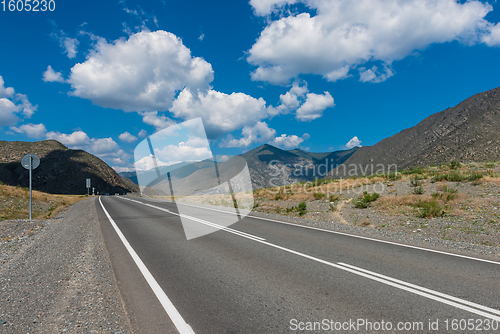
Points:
[30,161]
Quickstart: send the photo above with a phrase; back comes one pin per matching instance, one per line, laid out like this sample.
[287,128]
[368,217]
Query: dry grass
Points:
[14,203]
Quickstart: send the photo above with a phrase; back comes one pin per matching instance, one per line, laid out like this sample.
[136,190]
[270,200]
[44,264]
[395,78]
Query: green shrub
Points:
[455,177]
[302,205]
[302,212]
[415,181]
[393,176]
[418,190]
[365,201]
[474,176]
[429,209]
[454,165]
[319,195]
[334,198]
[490,164]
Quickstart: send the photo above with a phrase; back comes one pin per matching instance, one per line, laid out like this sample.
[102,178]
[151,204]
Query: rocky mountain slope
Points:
[467,132]
[61,170]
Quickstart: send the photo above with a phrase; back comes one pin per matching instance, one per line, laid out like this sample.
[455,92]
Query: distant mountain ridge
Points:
[61,170]
[468,132]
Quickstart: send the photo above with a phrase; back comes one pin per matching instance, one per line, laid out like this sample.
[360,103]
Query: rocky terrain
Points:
[61,170]
[438,203]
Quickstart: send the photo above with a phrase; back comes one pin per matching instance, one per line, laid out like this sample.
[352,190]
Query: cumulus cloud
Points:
[12,105]
[5,91]
[105,148]
[221,113]
[345,34]
[291,100]
[142,134]
[314,106]
[287,142]
[260,132]
[127,137]
[194,149]
[31,130]
[52,76]
[8,111]
[354,142]
[156,120]
[141,73]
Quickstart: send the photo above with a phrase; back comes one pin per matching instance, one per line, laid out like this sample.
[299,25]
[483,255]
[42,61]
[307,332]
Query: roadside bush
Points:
[365,201]
[415,181]
[418,190]
[334,198]
[319,195]
[474,176]
[429,209]
[455,177]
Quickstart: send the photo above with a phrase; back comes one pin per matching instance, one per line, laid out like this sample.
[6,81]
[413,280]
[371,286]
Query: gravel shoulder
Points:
[471,224]
[56,276]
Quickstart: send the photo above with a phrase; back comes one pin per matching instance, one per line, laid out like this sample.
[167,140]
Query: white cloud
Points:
[52,76]
[120,169]
[492,35]
[142,134]
[5,91]
[8,112]
[291,100]
[77,139]
[353,143]
[156,120]
[314,106]
[185,151]
[141,73]
[347,33]
[287,142]
[147,163]
[70,45]
[127,137]
[260,132]
[373,75]
[105,148]
[31,130]
[221,113]
[11,104]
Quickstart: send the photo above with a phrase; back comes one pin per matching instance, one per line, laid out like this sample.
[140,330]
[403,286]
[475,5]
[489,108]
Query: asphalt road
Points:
[280,278]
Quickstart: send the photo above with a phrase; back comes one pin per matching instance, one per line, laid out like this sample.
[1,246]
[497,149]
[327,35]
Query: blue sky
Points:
[321,75]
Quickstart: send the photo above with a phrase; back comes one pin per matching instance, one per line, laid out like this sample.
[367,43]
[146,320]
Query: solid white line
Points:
[485,308]
[172,312]
[418,290]
[201,221]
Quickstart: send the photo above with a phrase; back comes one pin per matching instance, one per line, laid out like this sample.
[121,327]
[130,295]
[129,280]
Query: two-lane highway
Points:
[261,276]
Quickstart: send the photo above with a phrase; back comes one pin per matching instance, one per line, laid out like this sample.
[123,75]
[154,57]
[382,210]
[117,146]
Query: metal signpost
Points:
[30,161]
[88,186]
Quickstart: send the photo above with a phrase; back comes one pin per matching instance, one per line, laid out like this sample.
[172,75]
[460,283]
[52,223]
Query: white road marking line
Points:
[354,236]
[172,312]
[418,290]
[485,308]
[201,221]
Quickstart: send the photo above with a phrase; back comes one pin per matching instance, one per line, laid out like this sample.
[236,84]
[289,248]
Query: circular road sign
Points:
[34,161]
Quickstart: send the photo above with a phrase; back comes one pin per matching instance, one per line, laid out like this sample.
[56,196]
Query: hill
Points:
[61,170]
[467,132]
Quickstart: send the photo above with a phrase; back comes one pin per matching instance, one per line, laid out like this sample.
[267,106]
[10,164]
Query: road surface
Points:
[262,276]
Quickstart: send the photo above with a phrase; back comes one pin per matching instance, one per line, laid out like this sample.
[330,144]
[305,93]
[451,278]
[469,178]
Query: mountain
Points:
[467,132]
[271,166]
[61,170]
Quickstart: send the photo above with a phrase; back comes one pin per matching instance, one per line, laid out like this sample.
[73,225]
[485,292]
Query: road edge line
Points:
[168,306]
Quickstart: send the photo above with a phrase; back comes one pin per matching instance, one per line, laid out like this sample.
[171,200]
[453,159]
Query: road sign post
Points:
[88,186]
[30,161]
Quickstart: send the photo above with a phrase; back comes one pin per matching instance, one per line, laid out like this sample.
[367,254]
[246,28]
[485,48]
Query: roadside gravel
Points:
[56,277]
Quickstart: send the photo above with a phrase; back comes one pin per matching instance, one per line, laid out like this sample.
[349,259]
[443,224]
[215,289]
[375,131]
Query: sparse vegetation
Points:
[14,203]
[365,200]
[429,209]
